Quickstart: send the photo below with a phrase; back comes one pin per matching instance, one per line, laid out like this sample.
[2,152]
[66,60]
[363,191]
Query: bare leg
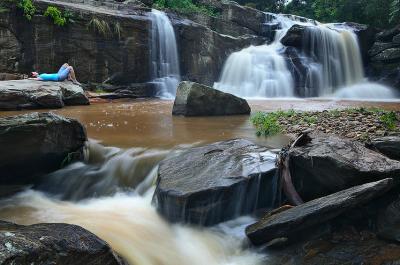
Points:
[72,75]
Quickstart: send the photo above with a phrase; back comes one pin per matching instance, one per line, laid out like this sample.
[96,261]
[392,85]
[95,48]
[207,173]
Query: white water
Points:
[127,220]
[165,64]
[331,59]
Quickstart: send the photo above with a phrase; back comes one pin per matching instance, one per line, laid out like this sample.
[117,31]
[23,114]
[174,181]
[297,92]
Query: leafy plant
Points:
[266,124]
[56,15]
[100,26]
[118,29]
[185,6]
[27,7]
[395,10]
[389,120]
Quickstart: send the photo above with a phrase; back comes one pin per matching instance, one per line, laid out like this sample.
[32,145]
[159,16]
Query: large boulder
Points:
[389,222]
[194,99]
[60,244]
[387,145]
[37,143]
[30,94]
[329,164]
[209,184]
[294,36]
[290,223]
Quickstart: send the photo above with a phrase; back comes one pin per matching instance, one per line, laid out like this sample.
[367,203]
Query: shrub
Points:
[27,7]
[266,124]
[185,6]
[389,120]
[56,15]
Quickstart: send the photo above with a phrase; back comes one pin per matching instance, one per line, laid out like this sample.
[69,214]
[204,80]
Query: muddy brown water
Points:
[149,123]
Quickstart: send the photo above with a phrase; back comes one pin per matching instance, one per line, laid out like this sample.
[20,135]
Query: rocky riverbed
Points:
[361,124]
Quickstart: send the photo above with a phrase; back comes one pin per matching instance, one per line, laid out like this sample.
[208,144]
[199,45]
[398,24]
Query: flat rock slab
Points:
[388,145]
[194,99]
[31,94]
[289,223]
[59,244]
[209,184]
[329,164]
[37,143]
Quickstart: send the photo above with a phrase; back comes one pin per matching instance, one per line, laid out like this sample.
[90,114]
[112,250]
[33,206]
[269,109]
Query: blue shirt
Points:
[49,77]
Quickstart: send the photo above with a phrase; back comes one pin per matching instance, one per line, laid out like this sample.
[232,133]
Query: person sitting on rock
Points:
[66,72]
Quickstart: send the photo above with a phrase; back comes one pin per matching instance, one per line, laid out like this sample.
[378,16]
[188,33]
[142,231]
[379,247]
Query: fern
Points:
[56,15]
[100,26]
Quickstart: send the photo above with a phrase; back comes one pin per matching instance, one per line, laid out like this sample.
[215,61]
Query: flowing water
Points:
[329,64]
[110,193]
[165,65]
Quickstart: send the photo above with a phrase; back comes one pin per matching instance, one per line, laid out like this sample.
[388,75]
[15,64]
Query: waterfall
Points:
[258,71]
[336,56]
[327,64]
[164,55]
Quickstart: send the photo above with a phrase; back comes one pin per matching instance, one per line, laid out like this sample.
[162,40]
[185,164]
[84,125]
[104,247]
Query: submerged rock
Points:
[209,184]
[30,94]
[388,145]
[59,244]
[288,224]
[329,164]
[37,143]
[194,99]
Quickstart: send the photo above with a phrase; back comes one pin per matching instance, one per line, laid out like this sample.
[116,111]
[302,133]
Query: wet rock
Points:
[379,47]
[344,246]
[389,146]
[31,94]
[37,143]
[390,55]
[73,94]
[329,164]
[59,244]
[396,39]
[294,36]
[389,222]
[387,35]
[194,99]
[209,184]
[289,223]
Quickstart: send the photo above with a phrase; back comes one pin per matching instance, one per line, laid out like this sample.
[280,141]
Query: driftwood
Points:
[285,176]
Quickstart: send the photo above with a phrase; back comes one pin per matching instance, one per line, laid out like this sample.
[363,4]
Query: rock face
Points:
[203,52]
[123,53]
[30,94]
[60,244]
[329,164]
[209,184]
[42,46]
[37,143]
[291,222]
[193,99]
[389,146]
[385,58]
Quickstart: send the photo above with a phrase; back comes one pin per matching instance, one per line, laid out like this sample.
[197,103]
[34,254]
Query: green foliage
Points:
[389,120]
[100,26]
[267,124]
[379,13]
[185,6]
[27,7]
[56,15]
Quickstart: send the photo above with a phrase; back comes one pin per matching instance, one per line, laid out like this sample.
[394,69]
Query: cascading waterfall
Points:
[110,195]
[336,56]
[164,55]
[258,71]
[330,60]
